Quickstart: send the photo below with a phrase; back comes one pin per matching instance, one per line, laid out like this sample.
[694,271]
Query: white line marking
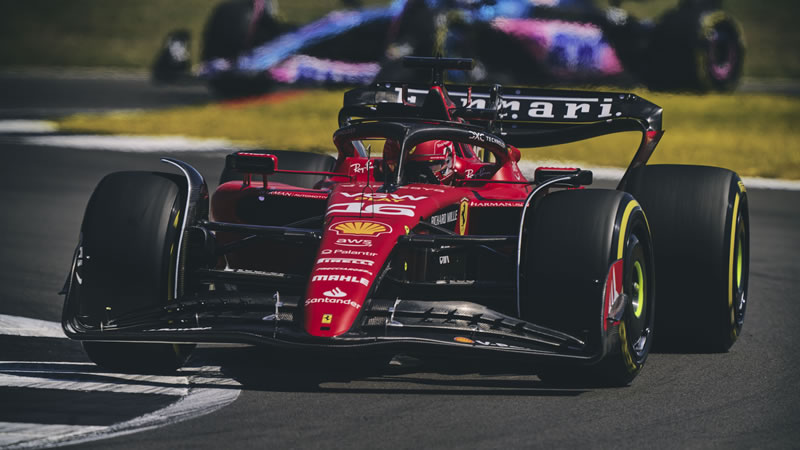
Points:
[23,326]
[137,144]
[201,389]
[86,377]
[14,433]
[27,126]
[160,144]
[615,173]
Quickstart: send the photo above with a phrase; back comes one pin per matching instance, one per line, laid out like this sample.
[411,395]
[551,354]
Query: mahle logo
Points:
[361,228]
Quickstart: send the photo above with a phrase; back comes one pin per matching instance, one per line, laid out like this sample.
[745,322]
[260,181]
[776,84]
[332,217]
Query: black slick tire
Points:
[573,238]
[129,246]
[700,224]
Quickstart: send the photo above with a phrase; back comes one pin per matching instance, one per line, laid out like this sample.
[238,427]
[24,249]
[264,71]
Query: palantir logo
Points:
[335,293]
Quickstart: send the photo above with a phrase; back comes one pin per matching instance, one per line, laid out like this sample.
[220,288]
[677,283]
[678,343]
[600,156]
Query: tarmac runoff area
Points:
[44,133]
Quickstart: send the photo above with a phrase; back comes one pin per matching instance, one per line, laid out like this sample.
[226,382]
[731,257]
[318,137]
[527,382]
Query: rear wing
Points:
[522,117]
[515,108]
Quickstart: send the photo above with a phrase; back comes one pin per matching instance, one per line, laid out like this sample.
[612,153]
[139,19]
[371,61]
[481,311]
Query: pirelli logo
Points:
[355,261]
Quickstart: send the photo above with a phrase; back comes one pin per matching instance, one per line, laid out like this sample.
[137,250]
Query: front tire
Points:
[128,256]
[573,241]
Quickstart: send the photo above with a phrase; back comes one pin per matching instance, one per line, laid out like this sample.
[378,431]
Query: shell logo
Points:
[361,228]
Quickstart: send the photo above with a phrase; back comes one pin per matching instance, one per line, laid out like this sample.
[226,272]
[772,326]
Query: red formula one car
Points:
[423,237]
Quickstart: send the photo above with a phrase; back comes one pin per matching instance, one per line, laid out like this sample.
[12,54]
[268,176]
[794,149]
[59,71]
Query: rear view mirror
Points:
[253,162]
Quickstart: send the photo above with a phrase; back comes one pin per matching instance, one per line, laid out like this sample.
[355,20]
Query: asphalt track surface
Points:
[746,398]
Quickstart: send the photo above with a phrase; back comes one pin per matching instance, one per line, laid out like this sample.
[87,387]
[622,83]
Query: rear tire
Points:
[571,242]
[129,242]
[700,223]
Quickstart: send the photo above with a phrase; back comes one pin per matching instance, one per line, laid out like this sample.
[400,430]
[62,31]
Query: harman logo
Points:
[335,292]
[361,228]
[496,204]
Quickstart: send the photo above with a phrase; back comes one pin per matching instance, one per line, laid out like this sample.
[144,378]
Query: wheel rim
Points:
[740,276]
[723,52]
[638,289]
[739,267]
[638,317]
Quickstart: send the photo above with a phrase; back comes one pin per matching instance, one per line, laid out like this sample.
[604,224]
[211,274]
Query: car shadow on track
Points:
[258,369]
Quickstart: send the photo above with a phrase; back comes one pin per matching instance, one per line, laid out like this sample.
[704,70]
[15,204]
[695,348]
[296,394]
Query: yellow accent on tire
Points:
[624,226]
[626,352]
[733,247]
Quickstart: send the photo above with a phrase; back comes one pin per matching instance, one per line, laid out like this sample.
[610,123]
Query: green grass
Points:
[128,33]
[755,135]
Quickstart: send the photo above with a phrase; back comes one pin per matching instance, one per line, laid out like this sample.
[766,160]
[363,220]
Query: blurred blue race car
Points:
[695,46]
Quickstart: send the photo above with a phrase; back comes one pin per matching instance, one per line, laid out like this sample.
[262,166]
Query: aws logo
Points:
[351,242]
[361,228]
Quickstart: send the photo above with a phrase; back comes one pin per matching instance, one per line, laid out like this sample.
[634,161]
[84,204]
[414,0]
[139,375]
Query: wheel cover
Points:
[638,289]
[722,55]
[638,318]
[739,278]
[739,263]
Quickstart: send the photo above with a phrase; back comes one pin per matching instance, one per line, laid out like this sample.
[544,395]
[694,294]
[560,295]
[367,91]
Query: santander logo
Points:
[335,293]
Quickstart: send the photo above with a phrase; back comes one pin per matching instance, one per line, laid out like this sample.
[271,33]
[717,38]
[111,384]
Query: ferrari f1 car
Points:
[424,238]
[246,47]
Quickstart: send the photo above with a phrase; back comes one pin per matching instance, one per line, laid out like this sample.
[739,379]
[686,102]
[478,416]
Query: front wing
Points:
[384,325]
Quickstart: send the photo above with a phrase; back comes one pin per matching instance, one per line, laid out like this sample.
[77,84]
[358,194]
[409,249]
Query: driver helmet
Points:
[438,156]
